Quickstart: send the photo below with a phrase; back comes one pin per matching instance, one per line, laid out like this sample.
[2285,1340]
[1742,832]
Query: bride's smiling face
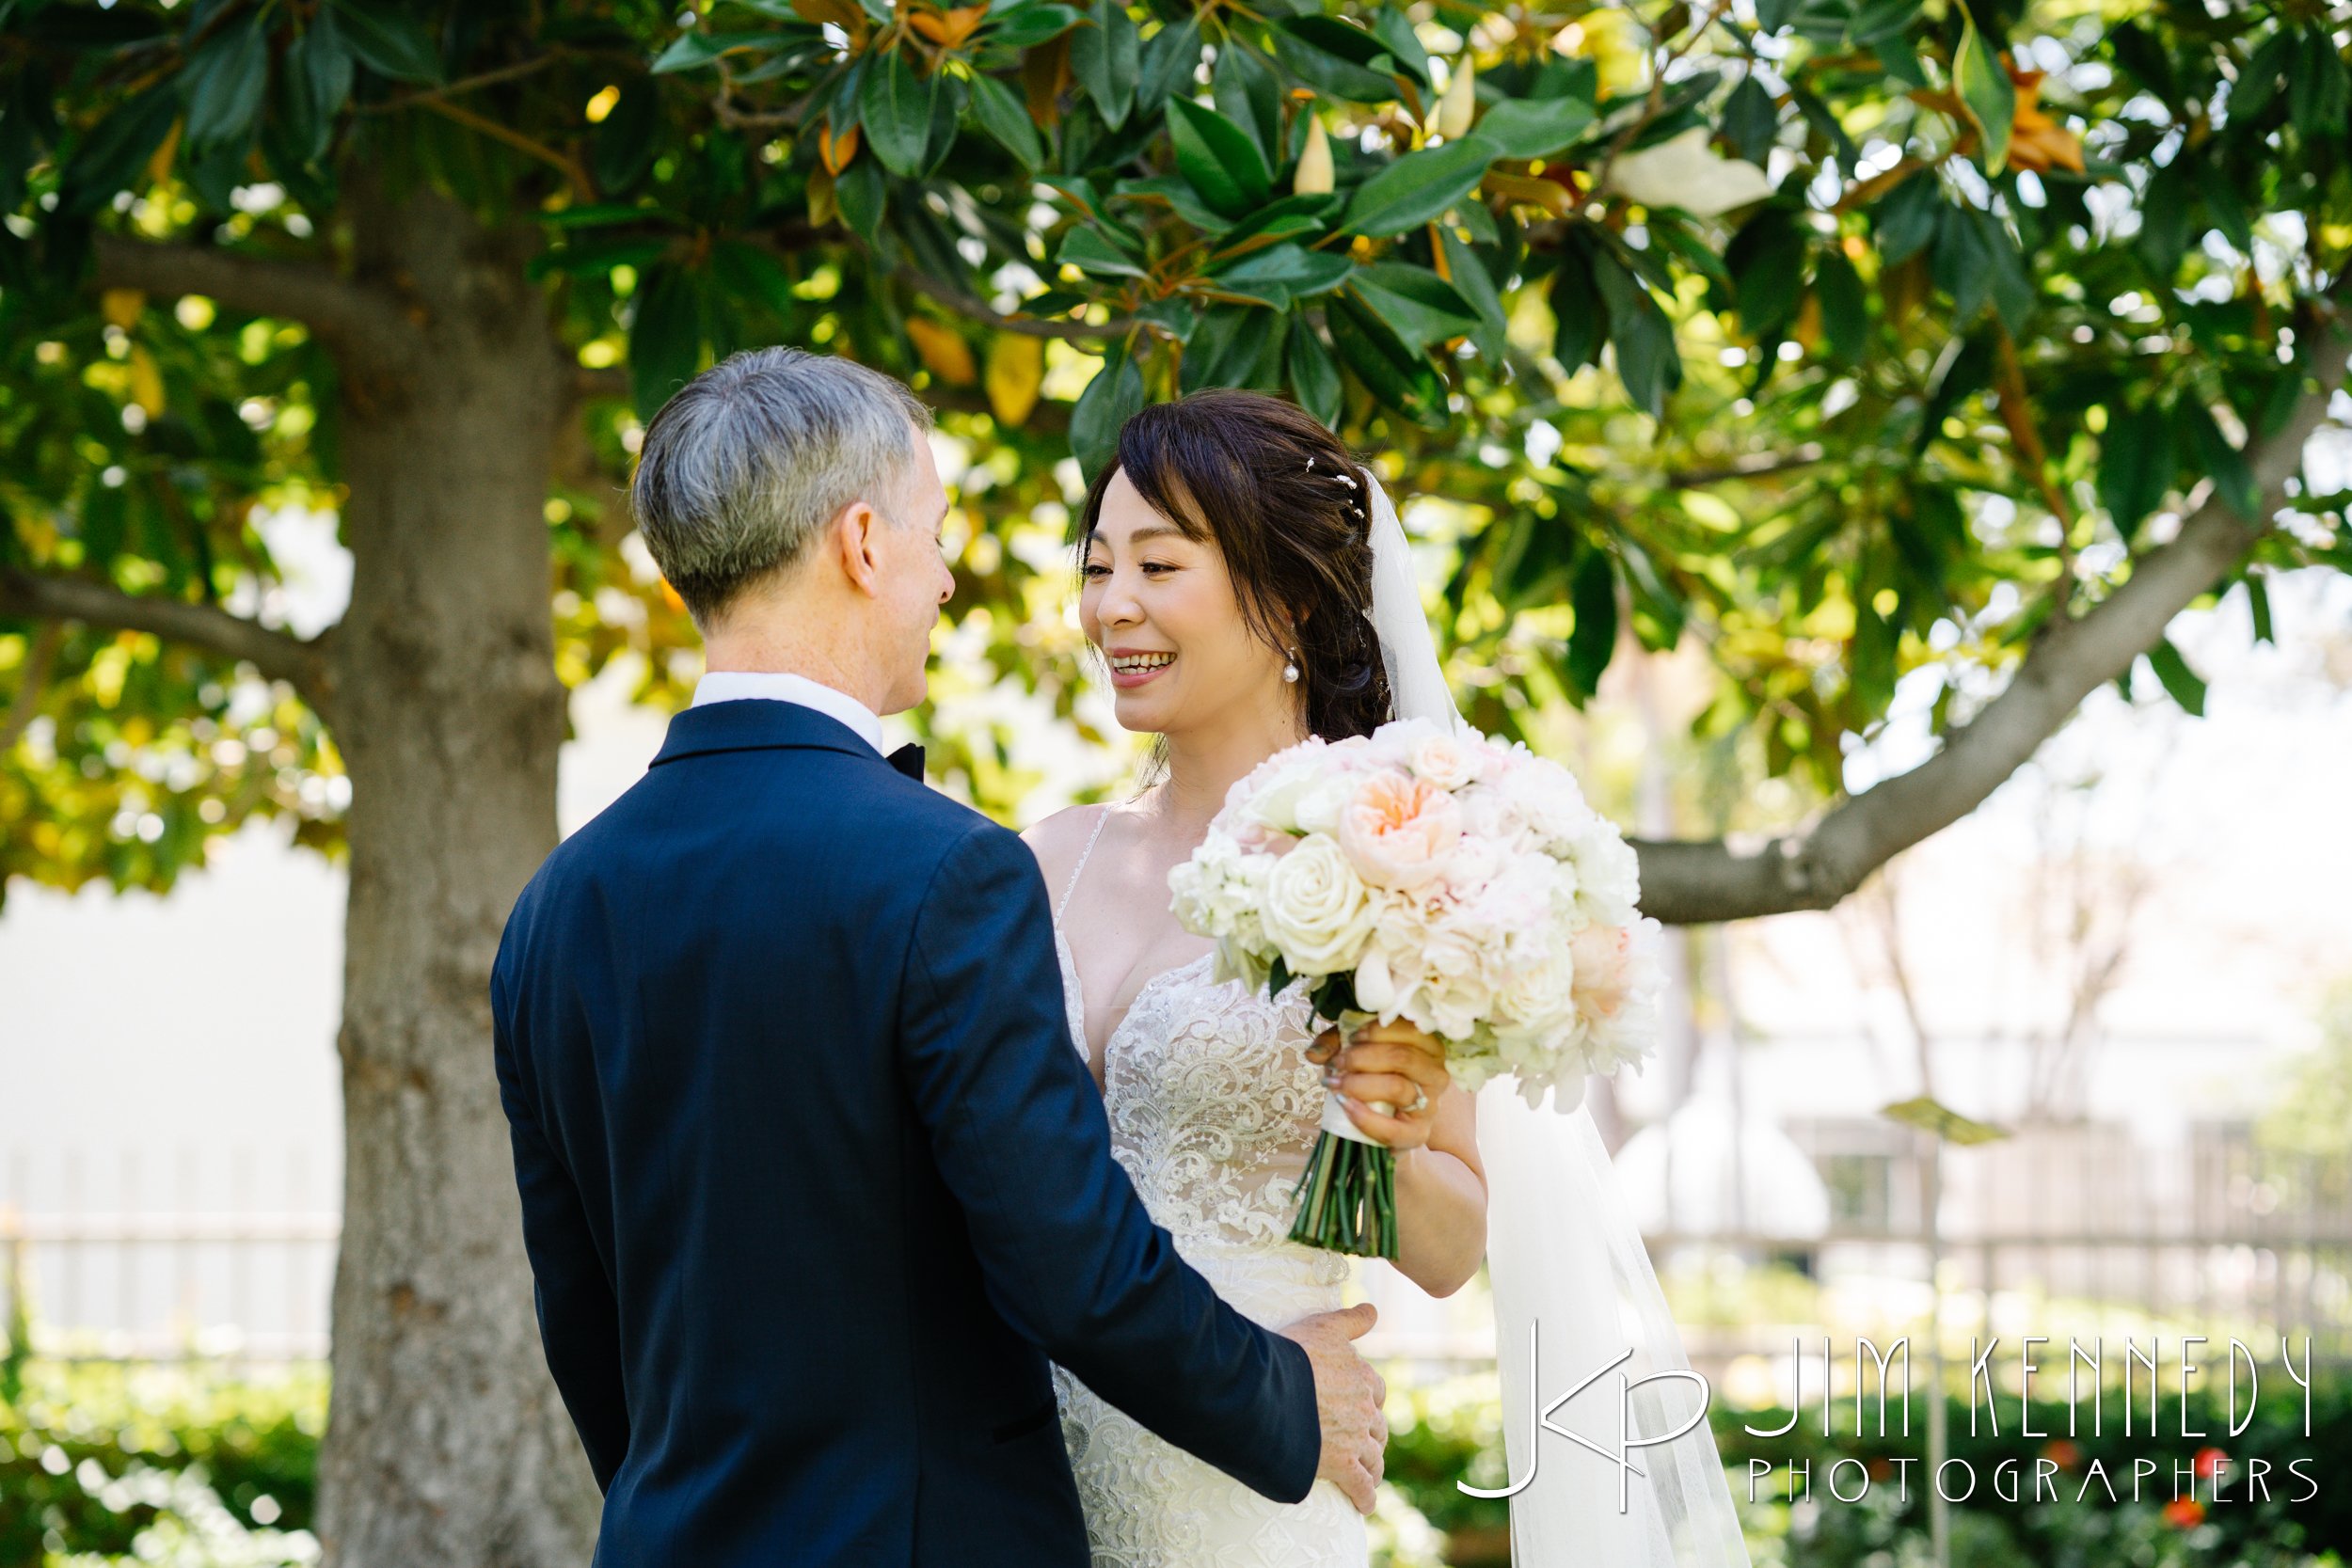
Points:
[1160,607]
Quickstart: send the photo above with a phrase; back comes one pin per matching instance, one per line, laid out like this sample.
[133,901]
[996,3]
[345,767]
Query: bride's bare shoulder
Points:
[1057,840]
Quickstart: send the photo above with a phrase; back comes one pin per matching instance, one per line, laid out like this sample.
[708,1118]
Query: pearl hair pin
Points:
[1354,502]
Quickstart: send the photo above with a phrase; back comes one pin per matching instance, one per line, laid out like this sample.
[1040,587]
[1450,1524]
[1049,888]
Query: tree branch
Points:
[300,663]
[21,708]
[964,304]
[349,317]
[1754,466]
[1693,882]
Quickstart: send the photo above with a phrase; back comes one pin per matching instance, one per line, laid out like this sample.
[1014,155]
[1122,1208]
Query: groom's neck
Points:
[766,642]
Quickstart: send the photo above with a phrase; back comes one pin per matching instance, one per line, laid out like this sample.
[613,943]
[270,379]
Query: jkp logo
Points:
[1541,1421]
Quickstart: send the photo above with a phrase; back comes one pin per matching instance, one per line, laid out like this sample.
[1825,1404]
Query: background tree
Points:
[1852,338]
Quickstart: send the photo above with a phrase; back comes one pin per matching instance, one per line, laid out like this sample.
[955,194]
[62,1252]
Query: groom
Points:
[814,1178]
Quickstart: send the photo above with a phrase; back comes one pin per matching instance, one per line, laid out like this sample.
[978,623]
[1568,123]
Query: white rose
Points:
[1442,759]
[1456,991]
[1608,874]
[1318,803]
[1537,999]
[1270,794]
[1315,908]
[1493,812]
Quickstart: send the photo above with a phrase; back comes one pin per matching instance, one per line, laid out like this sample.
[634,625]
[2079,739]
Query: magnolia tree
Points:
[1845,339]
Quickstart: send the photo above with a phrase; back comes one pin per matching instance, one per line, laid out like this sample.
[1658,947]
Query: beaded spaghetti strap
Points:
[1072,886]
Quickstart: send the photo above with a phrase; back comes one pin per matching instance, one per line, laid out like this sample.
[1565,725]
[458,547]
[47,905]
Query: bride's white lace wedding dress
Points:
[1214,1108]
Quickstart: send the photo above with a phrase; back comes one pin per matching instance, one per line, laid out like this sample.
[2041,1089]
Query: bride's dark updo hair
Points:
[1284,503]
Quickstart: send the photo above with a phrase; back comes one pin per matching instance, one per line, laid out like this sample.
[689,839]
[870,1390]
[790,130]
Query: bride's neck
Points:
[1204,765]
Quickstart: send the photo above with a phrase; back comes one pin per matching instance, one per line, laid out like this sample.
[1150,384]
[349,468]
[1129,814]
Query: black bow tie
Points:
[909,760]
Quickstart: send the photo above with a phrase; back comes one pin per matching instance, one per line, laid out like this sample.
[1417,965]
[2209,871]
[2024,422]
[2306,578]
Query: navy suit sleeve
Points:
[1070,1257]
[580,1321]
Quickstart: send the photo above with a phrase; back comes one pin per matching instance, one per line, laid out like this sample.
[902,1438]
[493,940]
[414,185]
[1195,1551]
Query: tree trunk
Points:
[446,1443]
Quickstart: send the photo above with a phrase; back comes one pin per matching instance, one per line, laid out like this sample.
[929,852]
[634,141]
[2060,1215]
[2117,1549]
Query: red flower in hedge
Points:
[2185,1513]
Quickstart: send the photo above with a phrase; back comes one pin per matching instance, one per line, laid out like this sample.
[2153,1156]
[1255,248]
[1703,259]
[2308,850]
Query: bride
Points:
[1229,561]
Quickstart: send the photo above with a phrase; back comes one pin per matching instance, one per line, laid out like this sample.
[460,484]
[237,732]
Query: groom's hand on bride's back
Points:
[1348,1394]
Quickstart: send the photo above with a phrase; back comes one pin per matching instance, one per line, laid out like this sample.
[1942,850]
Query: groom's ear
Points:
[852,538]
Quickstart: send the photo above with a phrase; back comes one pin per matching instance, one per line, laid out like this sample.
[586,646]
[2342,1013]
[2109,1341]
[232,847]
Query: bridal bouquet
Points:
[1444,879]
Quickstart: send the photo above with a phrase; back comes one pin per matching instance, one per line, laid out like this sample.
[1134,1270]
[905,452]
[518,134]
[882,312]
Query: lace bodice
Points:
[1213,1109]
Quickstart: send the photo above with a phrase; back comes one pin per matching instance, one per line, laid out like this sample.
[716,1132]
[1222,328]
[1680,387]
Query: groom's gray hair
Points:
[741,470]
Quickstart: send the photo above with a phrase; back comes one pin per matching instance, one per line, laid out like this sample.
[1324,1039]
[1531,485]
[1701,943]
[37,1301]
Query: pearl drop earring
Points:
[1289,670]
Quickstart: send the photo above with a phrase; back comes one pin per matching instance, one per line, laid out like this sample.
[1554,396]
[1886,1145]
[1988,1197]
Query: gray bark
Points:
[446,1442]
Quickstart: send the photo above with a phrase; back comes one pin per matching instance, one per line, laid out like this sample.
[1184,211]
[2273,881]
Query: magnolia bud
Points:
[1315,165]
[1460,102]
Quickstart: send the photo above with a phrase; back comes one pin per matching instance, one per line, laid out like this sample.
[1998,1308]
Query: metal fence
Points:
[2065,1226]
[225,1256]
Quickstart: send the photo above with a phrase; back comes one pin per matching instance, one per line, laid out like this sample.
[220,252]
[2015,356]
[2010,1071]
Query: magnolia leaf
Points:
[1930,1116]
[1985,93]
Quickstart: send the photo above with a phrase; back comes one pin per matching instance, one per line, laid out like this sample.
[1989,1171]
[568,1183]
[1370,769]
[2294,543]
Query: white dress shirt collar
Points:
[728,685]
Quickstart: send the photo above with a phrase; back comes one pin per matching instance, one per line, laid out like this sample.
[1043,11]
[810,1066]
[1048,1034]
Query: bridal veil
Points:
[1577,1305]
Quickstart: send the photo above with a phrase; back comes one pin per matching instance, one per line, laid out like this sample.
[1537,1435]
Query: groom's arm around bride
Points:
[814,1181]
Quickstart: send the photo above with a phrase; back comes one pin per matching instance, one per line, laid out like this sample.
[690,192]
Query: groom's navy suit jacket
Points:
[814,1181]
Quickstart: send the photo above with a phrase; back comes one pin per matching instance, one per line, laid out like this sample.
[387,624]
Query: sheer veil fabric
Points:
[1576,1302]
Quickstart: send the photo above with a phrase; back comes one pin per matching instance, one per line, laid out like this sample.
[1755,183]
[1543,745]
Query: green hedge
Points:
[205,1467]
[1450,1431]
